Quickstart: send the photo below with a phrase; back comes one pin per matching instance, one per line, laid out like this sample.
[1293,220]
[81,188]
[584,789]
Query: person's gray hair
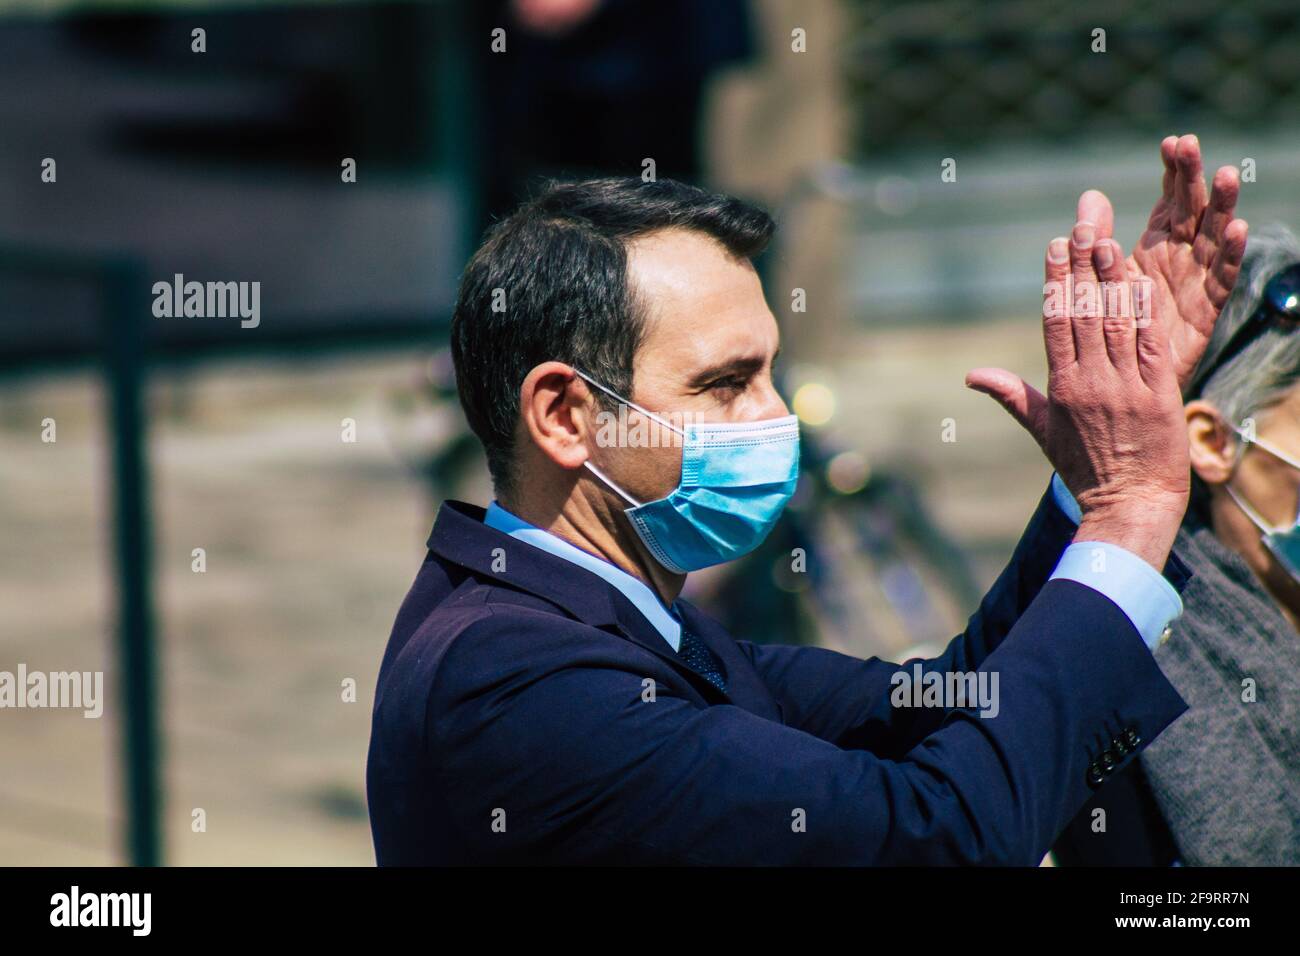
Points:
[1266,369]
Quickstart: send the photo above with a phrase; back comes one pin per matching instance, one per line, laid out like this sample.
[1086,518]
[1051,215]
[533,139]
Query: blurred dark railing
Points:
[224,167]
[116,282]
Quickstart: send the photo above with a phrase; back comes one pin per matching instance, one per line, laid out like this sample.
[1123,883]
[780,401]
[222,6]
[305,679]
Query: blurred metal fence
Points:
[1032,116]
[958,72]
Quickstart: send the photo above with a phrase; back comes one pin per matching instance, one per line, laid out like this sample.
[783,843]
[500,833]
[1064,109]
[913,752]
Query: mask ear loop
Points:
[601,475]
[1276,453]
[1250,512]
[1240,451]
[646,412]
[613,394]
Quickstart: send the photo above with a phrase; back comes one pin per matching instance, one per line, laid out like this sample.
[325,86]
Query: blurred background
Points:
[223,156]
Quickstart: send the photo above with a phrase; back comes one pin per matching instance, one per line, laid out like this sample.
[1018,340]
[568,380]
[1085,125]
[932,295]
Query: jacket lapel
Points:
[460,536]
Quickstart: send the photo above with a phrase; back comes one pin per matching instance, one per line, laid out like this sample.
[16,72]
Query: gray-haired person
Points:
[1221,786]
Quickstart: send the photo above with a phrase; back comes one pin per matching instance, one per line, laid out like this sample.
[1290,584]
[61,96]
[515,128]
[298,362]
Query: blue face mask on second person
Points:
[736,480]
[1282,542]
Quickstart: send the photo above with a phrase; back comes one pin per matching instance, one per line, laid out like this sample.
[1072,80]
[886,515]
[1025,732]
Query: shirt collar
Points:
[638,592]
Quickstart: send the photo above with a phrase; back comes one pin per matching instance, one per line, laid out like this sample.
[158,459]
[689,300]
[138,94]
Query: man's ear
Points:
[556,410]
[1211,443]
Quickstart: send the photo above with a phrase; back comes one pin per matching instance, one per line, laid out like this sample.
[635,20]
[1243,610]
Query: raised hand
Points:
[1191,249]
[1112,421]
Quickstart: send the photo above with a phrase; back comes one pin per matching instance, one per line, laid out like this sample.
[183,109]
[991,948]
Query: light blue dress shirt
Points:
[1140,591]
[636,591]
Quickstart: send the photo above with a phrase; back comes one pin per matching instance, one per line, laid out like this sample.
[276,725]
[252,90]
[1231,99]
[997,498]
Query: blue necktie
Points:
[700,659]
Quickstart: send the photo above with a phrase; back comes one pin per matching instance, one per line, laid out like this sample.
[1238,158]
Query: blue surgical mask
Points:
[736,481]
[1283,542]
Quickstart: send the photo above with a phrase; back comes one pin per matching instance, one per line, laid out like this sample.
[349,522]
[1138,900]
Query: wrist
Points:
[1147,532]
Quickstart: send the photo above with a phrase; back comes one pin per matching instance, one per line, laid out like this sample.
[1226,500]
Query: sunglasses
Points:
[1279,307]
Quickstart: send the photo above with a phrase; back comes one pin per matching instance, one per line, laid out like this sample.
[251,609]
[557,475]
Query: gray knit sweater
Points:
[1226,774]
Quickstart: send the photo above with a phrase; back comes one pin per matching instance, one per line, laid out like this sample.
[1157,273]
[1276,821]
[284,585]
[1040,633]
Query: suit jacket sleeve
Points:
[845,700]
[566,756]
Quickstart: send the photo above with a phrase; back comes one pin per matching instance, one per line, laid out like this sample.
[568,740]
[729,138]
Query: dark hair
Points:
[549,283]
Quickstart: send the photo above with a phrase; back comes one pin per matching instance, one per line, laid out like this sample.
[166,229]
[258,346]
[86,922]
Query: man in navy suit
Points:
[546,696]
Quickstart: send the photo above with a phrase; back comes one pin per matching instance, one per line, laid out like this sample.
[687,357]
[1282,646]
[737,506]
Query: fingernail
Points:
[1058,250]
[1105,255]
[1083,235]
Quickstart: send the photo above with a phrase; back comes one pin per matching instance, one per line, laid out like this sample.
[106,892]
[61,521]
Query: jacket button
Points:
[1119,746]
[1132,739]
[1107,761]
[1095,776]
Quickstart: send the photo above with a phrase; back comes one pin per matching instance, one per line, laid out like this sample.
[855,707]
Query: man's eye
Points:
[730,384]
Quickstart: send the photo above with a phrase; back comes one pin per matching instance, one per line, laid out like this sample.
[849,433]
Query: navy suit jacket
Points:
[1136,833]
[527,713]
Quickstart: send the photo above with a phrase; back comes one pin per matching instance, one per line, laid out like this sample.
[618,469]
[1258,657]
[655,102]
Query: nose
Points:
[772,405]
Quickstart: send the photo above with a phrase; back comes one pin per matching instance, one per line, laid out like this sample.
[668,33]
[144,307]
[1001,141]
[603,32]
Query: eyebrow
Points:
[746,367]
